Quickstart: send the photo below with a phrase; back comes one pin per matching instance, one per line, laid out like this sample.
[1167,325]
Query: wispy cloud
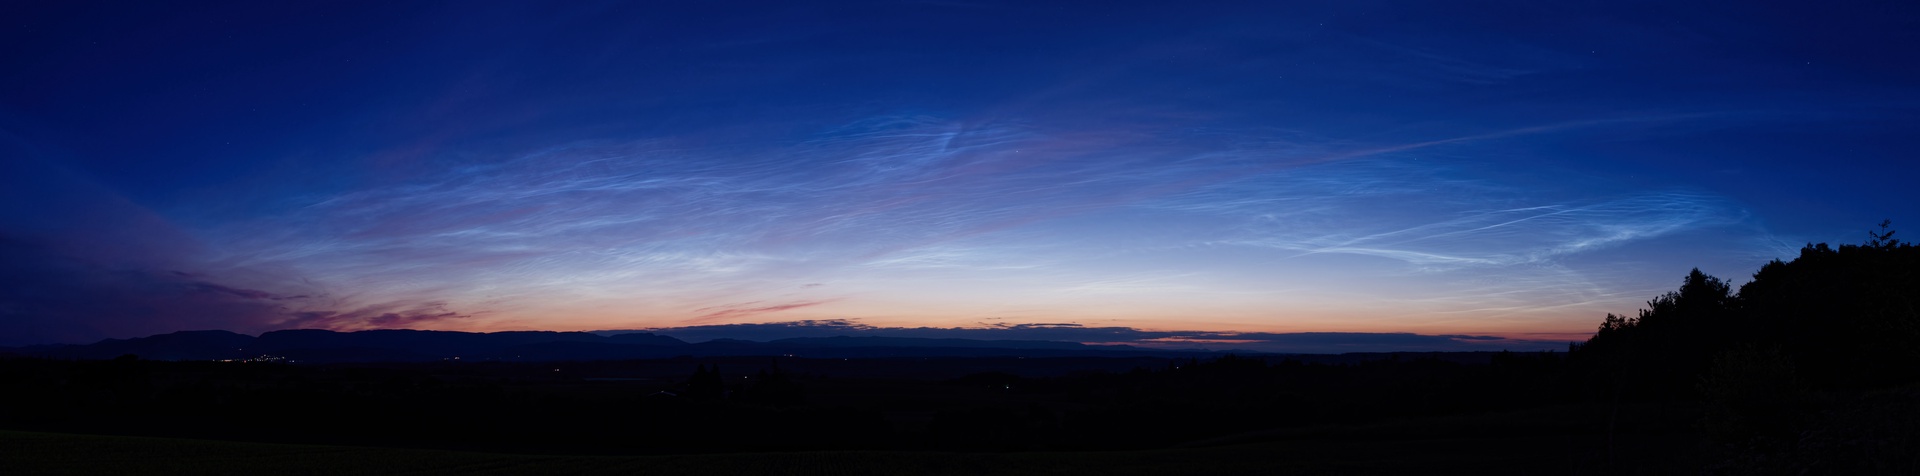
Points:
[1251,164]
[384,316]
[895,199]
[736,311]
[1531,234]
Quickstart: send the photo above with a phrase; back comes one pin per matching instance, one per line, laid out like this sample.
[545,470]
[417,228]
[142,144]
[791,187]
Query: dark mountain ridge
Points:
[316,345]
[399,345]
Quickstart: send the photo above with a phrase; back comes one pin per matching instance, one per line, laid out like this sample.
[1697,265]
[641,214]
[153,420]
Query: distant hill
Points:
[314,345]
[184,345]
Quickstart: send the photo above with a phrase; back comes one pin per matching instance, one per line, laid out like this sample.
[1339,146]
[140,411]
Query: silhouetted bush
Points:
[1845,316]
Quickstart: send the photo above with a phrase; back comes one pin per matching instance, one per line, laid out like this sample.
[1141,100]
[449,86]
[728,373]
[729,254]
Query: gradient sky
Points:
[1507,169]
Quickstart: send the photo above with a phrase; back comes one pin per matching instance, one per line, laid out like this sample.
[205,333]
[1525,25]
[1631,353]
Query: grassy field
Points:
[1434,446]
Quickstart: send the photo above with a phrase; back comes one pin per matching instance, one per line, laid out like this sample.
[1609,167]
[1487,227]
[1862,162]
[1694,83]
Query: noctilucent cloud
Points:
[1484,170]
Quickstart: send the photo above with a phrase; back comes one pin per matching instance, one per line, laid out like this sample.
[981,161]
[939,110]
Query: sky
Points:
[1449,174]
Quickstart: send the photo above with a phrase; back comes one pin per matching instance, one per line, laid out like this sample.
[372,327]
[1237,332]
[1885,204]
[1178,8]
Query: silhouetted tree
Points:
[706,384]
[1846,316]
[1753,396]
[775,387]
[1882,239]
[1662,351]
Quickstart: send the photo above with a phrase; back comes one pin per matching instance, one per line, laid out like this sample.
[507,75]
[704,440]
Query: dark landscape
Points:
[1818,379]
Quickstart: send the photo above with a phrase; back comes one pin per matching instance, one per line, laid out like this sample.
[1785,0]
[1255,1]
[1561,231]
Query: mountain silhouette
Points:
[400,345]
[315,345]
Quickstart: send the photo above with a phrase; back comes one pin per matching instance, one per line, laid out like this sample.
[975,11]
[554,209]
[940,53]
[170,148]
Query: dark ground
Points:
[1234,415]
[1410,414]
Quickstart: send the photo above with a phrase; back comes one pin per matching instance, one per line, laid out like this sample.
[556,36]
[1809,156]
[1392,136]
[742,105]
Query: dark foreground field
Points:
[1511,414]
[1542,441]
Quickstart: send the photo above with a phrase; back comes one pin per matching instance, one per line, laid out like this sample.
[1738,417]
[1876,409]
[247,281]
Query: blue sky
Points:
[1507,169]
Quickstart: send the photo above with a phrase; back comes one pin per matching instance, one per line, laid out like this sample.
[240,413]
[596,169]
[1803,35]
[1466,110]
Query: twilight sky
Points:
[1494,173]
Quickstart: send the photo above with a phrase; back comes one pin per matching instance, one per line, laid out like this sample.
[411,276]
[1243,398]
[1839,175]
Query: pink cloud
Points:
[729,312]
